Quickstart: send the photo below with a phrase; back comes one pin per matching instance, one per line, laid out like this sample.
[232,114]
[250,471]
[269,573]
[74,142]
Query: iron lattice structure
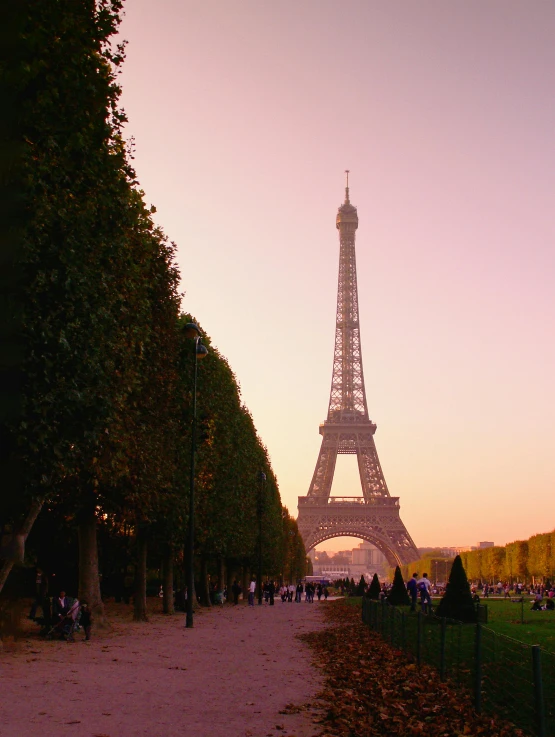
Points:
[374,516]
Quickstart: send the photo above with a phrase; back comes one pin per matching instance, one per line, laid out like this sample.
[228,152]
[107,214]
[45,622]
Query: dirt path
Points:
[229,676]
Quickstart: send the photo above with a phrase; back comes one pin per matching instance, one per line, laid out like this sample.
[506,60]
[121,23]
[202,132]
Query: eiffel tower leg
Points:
[371,475]
[401,548]
[325,467]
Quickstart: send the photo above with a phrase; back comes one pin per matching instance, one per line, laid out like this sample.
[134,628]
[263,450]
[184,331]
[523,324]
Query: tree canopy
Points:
[96,404]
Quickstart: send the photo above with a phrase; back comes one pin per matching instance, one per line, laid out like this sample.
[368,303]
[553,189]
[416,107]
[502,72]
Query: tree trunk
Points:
[89,580]
[221,573]
[23,531]
[245,580]
[167,565]
[229,579]
[139,598]
[204,589]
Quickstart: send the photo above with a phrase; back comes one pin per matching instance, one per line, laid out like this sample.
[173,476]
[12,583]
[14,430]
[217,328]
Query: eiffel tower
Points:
[374,516]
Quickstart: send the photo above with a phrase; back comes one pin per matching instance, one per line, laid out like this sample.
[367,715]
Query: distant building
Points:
[367,554]
[364,560]
[333,572]
[451,552]
[481,546]
[367,560]
[446,552]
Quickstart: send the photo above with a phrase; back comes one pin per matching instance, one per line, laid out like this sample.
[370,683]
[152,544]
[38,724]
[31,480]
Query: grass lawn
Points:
[504,617]
[507,673]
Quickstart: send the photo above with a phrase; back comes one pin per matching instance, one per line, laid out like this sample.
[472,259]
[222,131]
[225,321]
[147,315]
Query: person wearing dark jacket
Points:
[412,588]
[60,606]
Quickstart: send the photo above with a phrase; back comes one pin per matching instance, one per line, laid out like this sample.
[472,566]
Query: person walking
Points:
[412,588]
[252,590]
[424,588]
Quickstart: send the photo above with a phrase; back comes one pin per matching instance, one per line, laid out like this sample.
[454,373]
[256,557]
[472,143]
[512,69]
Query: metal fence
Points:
[507,678]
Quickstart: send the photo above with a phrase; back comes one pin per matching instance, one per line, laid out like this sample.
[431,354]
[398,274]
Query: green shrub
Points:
[361,587]
[398,595]
[457,601]
[375,588]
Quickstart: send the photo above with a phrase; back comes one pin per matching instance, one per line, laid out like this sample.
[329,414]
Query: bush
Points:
[375,588]
[398,595]
[361,587]
[457,601]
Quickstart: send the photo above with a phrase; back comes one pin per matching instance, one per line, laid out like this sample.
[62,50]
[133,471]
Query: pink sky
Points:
[245,115]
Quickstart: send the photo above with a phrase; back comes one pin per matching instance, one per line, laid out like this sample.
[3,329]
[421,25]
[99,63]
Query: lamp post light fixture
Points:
[262,480]
[192,331]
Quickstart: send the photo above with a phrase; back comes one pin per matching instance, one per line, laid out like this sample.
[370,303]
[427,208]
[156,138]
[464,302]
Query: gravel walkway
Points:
[240,672]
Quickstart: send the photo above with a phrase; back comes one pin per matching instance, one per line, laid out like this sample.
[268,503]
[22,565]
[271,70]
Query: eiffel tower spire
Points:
[349,430]
[347,396]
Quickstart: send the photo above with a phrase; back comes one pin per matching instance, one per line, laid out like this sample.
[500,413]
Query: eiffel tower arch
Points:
[374,516]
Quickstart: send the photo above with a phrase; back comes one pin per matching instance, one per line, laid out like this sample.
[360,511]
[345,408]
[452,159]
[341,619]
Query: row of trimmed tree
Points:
[522,560]
[97,372]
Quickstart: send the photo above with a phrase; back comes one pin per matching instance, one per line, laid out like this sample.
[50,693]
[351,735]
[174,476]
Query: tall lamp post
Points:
[262,481]
[192,331]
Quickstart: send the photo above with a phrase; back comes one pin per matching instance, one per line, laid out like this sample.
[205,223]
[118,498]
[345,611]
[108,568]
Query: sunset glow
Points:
[245,116]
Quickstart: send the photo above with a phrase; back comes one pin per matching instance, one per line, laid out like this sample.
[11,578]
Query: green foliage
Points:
[541,555]
[96,278]
[100,372]
[360,587]
[493,564]
[398,595]
[457,602]
[375,588]
[231,500]
[294,554]
[517,561]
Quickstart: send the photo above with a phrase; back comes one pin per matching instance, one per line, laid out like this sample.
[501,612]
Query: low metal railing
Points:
[506,677]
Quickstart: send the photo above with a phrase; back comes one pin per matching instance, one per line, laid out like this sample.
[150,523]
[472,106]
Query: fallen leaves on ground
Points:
[294,708]
[374,689]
